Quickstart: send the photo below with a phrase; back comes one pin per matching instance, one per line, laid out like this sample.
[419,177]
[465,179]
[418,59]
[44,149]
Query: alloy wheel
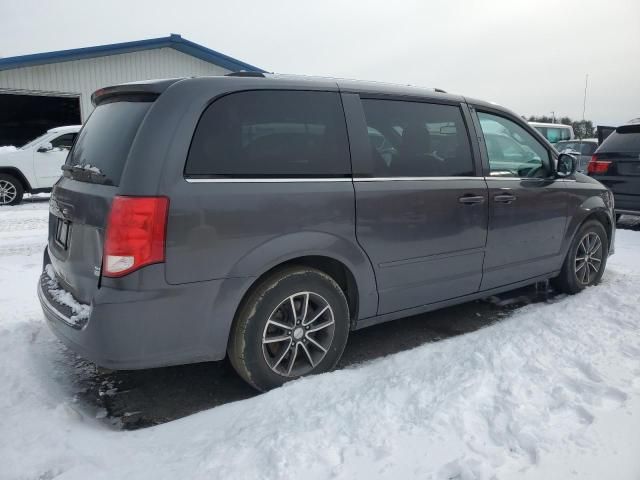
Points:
[8,192]
[588,258]
[298,334]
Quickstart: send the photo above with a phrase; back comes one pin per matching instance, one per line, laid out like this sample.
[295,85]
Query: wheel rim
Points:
[588,258]
[8,192]
[298,334]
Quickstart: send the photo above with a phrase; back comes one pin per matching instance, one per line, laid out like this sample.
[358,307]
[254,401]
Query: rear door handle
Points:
[504,198]
[471,199]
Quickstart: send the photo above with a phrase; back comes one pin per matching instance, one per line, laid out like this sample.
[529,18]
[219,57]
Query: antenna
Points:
[584,103]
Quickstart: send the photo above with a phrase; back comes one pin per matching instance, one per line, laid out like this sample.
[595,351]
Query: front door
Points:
[421,207]
[528,208]
[48,163]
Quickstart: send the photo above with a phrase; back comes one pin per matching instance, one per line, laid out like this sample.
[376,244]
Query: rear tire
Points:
[11,190]
[294,323]
[586,260]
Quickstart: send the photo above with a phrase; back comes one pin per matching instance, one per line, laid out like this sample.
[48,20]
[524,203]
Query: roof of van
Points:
[253,79]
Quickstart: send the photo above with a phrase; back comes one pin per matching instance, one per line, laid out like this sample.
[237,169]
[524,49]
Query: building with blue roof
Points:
[46,90]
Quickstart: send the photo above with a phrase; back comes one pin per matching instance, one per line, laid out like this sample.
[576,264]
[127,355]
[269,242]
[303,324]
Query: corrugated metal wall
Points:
[83,77]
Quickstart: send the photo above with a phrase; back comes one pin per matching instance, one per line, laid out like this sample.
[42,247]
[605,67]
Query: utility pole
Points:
[553,115]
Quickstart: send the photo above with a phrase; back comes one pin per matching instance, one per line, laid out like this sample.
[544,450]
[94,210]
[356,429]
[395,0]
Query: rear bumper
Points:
[629,204]
[131,329]
[628,211]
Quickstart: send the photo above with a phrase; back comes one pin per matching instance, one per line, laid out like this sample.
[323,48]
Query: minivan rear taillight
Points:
[596,167]
[135,234]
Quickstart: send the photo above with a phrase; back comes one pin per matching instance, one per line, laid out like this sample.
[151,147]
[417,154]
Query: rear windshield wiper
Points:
[86,173]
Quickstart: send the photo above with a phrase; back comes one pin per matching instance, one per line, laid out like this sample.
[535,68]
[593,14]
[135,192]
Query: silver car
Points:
[583,149]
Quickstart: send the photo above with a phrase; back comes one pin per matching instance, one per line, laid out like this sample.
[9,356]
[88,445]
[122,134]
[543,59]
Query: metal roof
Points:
[174,41]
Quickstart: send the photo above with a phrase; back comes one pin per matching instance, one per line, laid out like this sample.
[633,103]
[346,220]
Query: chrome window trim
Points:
[266,180]
[321,179]
[518,179]
[363,179]
[408,179]
[529,179]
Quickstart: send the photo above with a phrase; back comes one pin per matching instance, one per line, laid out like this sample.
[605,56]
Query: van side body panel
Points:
[233,229]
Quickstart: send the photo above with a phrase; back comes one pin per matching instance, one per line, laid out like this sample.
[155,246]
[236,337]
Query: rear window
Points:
[583,148]
[554,134]
[271,134]
[624,139]
[104,142]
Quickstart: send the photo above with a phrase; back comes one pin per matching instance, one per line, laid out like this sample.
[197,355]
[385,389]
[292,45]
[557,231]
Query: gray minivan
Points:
[264,217]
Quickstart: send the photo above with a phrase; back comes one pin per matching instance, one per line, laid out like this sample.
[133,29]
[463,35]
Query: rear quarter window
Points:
[271,134]
[105,140]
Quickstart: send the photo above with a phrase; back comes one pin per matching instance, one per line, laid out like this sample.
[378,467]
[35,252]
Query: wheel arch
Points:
[567,282]
[339,257]
[592,208]
[15,172]
[602,217]
[336,269]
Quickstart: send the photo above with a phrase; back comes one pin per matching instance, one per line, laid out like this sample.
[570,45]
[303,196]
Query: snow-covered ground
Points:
[552,392]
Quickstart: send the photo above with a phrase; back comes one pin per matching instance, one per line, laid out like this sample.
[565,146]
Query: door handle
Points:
[504,198]
[471,199]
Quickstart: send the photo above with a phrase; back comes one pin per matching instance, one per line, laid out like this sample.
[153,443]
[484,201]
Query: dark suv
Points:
[616,164]
[265,217]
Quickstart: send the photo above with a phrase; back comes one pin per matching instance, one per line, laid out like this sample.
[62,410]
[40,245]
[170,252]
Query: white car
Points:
[554,132]
[35,167]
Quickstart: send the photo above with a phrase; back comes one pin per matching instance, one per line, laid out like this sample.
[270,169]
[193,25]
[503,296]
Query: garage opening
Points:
[24,117]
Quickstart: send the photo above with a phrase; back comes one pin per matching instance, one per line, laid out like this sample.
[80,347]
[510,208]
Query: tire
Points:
[11,190]
[573,278]
[264,352]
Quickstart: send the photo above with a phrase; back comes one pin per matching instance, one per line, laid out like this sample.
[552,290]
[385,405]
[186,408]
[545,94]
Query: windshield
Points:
[35,141]
[104,142]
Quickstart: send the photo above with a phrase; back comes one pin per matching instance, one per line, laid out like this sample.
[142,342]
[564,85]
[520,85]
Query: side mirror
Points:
[45,147]
[567,165]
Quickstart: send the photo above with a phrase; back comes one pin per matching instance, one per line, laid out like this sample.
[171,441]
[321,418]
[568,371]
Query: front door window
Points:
[512,151]
[63,142]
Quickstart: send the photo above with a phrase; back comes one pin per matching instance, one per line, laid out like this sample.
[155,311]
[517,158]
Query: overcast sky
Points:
[531,56]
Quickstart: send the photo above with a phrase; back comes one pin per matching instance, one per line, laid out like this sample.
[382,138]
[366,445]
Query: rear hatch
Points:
[617,165]
[81,200]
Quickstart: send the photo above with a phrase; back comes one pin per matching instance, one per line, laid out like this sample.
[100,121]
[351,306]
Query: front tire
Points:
[294,323]
[11,190]
[586,259]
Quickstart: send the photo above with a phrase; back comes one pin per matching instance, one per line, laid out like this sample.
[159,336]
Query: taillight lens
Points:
[596,166]
[135,235]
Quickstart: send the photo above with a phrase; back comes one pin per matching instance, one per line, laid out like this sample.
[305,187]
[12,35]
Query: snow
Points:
[88,167]
[7,149]
[80,311]
[552,391]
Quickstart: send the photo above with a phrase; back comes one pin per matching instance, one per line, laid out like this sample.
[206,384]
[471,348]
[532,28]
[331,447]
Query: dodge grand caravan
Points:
[265,217]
